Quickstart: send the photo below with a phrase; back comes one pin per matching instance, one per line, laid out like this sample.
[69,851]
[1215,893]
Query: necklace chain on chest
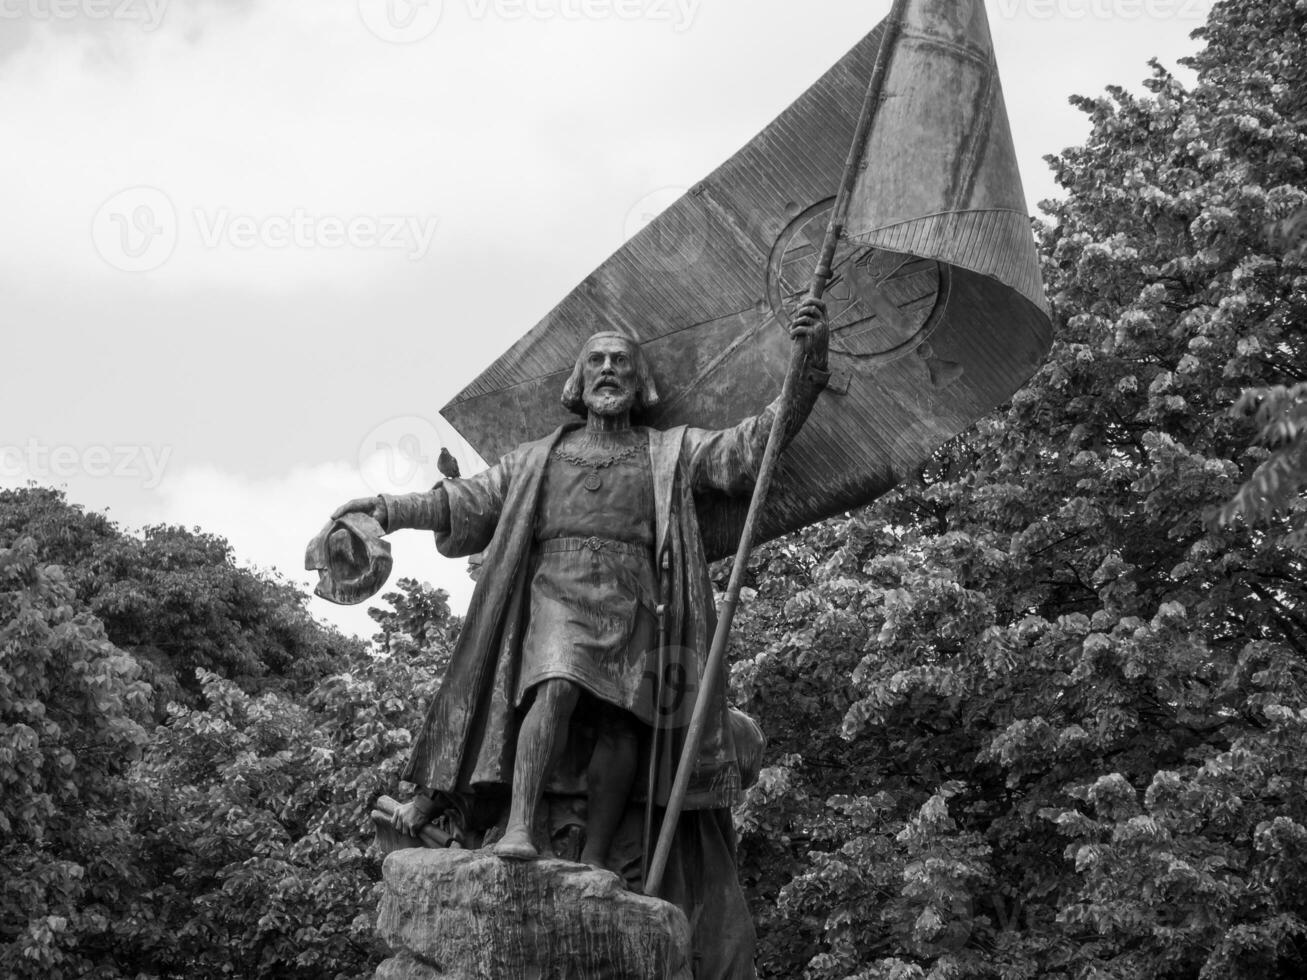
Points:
[594,481]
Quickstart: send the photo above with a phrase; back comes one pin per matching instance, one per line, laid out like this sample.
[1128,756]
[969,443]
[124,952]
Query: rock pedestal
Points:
[467,915]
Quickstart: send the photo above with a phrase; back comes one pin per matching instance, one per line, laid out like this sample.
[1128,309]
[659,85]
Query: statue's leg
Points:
[609,779]
[539,744]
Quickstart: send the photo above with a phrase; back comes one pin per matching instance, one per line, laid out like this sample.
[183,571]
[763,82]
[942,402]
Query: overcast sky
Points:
[249,249]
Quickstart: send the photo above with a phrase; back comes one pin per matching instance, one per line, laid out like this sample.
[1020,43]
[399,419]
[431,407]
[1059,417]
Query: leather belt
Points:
[554,545]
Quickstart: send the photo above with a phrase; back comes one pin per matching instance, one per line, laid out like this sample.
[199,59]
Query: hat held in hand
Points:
[351,559]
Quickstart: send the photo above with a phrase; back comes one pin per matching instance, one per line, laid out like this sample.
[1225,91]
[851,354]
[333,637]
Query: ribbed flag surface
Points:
[937,310]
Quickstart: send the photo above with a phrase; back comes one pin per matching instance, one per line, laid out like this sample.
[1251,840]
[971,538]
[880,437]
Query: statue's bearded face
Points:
[609,374]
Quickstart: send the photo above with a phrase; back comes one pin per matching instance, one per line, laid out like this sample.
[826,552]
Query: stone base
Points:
[468,915]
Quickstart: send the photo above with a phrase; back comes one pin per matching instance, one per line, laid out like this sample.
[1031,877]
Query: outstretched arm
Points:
[728,459]
[411,511]
[463,513]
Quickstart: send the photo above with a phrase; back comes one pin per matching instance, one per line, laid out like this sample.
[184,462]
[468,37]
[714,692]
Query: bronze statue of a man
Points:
[594,590]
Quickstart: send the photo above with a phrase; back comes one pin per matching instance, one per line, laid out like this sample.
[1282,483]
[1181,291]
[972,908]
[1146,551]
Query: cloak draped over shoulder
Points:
[468,738]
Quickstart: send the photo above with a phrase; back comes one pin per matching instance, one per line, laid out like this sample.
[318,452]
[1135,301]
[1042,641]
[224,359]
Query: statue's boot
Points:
[516,845]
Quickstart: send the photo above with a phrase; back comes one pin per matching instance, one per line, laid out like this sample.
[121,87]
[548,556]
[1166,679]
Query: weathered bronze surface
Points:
[936,316]
[583,647]
[350,558]
[944,183]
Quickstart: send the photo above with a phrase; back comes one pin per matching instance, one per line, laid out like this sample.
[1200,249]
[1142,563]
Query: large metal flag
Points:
[937,310]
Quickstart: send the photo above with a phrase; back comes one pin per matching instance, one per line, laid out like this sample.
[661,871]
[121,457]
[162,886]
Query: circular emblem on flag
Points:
[881,304]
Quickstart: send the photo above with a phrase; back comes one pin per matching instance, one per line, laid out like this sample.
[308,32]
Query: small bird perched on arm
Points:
[448,465]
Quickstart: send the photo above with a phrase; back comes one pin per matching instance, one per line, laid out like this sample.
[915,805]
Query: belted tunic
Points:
[593,583]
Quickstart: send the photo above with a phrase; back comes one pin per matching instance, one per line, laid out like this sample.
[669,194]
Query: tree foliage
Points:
[1275,488]
[233,837]
[71,707]
[176,598]
[1037,714]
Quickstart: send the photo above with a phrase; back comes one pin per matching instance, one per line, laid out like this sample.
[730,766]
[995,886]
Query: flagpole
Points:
[820,279]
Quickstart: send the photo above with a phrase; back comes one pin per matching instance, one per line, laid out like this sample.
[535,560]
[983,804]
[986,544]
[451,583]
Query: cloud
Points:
[254,362]
[108,30]
[269,522]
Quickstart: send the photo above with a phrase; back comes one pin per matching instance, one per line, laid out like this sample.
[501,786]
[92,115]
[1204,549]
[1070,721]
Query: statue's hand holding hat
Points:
[352,560]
